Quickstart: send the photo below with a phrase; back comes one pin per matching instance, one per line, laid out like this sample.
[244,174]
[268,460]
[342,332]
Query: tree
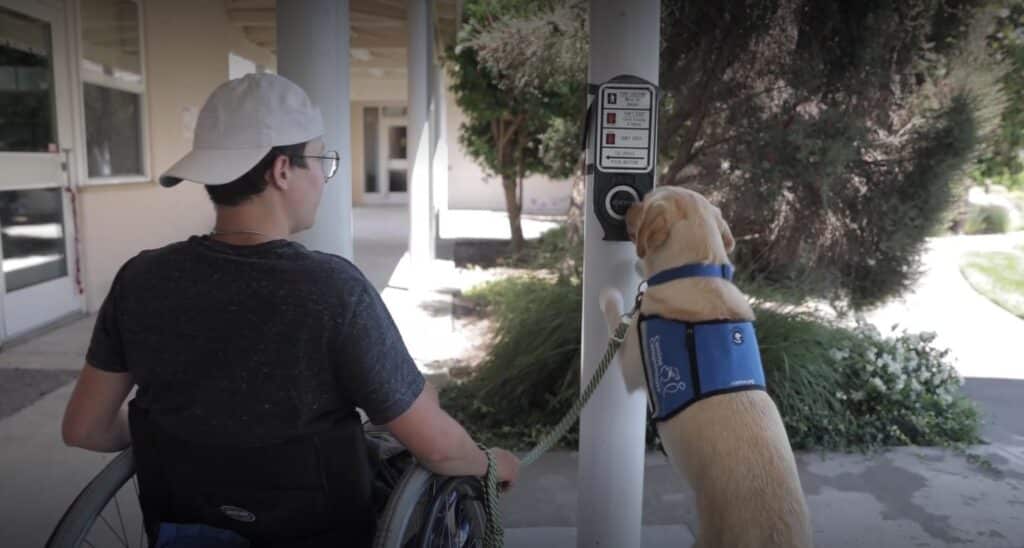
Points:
[833,134]
[519,122]
[1006,154]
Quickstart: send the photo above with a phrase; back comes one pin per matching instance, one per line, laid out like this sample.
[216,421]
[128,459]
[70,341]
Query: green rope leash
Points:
[569,419]
[494,535]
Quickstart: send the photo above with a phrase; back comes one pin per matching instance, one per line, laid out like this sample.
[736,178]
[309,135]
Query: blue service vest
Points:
[687,362]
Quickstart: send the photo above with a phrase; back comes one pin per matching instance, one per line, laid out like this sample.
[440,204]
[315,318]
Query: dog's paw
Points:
[611,307]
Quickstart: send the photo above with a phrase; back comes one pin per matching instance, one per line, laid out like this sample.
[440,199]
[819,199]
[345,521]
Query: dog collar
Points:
[694,270]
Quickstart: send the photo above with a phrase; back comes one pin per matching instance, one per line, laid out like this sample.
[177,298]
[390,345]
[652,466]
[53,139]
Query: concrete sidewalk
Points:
[907,497]
[983,337]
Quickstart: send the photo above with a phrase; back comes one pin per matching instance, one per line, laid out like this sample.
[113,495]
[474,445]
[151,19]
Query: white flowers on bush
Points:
[903,368]
[838,354]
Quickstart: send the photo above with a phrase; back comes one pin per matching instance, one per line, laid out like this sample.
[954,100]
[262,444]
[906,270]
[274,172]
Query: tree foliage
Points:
[1006,154]
[519,122]
[834,135]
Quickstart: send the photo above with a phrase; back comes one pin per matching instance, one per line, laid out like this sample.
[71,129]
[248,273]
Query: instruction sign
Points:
[626,128]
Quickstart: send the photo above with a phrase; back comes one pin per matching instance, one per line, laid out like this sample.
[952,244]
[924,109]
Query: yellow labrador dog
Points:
[730,445]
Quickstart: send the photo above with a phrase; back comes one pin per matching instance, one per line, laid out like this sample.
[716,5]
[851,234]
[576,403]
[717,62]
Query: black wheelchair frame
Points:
[424,511]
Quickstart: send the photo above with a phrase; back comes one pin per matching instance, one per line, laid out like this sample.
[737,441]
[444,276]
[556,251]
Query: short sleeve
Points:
[375,369]
[106,351]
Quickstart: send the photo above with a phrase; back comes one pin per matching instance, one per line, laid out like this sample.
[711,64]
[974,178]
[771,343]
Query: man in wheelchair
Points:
[251,353]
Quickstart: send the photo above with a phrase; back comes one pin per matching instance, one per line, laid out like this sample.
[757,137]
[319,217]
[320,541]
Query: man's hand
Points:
[508,467]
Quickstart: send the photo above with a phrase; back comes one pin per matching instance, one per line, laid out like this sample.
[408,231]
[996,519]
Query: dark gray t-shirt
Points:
[250,345]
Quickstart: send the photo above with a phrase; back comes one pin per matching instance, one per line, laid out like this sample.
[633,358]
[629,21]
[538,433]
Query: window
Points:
[396,143]
[370,144]
[32,237]
[27,116]
[113,90]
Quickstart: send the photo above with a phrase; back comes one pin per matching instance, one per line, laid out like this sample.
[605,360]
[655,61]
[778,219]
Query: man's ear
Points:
[727,238]
[277,175]
[653,228]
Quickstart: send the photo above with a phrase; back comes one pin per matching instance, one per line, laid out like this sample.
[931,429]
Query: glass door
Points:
[37,286]
[386,155]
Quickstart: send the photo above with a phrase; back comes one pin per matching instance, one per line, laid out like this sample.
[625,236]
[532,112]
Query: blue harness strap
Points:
[687,362]
[695,270]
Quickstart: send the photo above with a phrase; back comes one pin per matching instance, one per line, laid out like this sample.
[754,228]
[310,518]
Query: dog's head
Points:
[674,226]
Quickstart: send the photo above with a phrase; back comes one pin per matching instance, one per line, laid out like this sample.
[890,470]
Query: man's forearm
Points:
[116,437]
[463,458]
[430,390]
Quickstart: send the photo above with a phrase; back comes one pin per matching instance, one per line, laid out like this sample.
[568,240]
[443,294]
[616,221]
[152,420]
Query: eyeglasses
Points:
[328,163]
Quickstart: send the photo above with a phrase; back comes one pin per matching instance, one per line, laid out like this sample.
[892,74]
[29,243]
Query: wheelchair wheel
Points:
[428,511]
[106,512]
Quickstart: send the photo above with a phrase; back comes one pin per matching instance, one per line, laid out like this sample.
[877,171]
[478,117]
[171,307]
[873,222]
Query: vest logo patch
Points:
[669,379]
[238,514]
[737,337]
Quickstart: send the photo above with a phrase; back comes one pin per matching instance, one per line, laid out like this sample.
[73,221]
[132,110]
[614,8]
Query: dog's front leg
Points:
[629,352]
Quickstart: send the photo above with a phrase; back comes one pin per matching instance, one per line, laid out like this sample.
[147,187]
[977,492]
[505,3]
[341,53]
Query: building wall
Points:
[469,187]
[186,46]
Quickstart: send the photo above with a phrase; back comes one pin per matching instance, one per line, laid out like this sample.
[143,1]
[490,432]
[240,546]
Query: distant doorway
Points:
[385,155]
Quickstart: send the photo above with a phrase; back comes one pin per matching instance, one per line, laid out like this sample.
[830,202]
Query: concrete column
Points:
[439,99]
[624,39]
[421,207]
[313,52]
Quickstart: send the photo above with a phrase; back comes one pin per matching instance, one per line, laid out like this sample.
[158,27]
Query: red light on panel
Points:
[609,139]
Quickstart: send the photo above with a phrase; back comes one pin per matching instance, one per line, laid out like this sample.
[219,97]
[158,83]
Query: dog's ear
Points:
[653,227]
[723,227]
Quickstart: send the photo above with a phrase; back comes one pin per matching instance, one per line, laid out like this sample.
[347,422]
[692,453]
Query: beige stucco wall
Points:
[186,56]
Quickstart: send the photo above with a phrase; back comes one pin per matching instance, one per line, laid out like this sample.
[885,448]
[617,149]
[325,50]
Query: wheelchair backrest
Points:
[306,492]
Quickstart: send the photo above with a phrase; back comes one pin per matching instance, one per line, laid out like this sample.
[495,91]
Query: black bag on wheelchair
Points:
[311,492]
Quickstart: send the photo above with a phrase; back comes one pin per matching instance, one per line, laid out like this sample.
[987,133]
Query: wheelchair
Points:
[424,511]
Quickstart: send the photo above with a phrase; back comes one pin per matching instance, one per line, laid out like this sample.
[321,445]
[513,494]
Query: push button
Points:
[618,201]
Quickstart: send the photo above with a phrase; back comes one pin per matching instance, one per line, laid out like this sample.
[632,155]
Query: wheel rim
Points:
[455,517]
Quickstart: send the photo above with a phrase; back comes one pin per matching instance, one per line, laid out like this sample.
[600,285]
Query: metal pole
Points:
[625,39]
[312,51]
[421,235]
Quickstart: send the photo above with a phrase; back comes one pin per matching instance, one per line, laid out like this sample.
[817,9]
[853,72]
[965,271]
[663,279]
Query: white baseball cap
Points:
[239,124]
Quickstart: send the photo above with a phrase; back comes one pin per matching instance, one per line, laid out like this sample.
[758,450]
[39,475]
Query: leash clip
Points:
[640,289]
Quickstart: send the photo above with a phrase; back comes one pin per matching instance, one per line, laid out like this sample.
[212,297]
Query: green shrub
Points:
[1012,181]
[531,374]
[552,251]
[1017,199]
[836,388]
[987,219]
